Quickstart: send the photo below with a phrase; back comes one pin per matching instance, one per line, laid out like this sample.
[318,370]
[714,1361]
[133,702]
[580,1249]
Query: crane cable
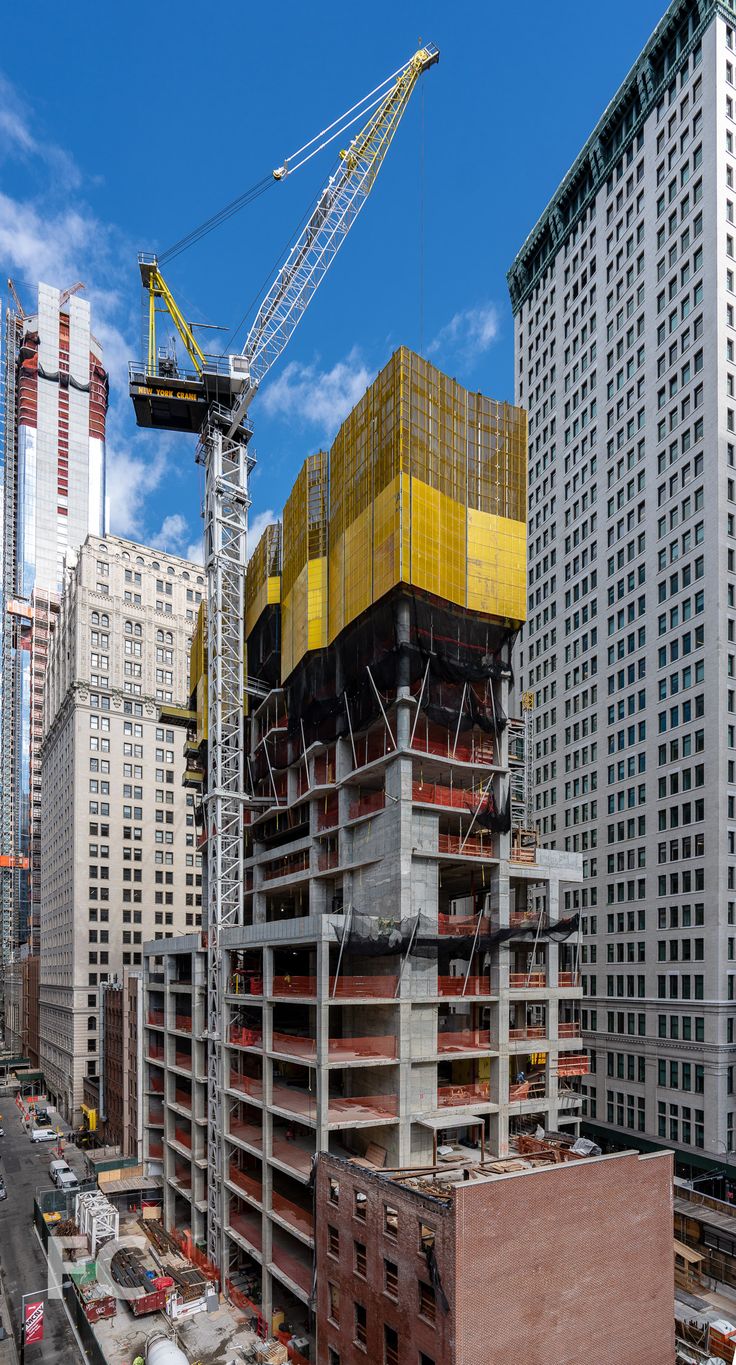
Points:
[335,129]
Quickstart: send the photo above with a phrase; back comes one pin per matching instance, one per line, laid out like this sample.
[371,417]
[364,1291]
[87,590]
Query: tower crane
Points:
[211,396]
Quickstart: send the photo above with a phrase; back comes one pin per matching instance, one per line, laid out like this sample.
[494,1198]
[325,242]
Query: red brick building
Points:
[549,1264]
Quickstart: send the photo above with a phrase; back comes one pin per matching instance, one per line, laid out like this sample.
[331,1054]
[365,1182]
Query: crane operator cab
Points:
[168,394]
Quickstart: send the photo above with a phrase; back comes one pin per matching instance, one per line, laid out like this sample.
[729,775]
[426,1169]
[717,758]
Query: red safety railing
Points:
[242,983]
[449,1096]
[183,1022]
[300,1272]
[291,865]
[155,1114]
[183,1137]
[328,814]
[459,926]
[294,1101]
[435,739]
[363,1106]
[183,1098]
[531,1031]
[367,804]
[155,1149]
[294,985]
[475,846]
[249,1227]
[573,1064]
[293,1045]
[156,1084]
[183,1059]
[289,1153]
[324,769]
[247,1183]
[463,1040]
[157,1053]
[155,1018]
[568,1030]
[327,860]
[299,1218]
[533,1089]
[249,1085]
[527,981]
[370,747]
[380,1046]
[454,798]
[363,987]
[521,918]
[568,978]
[245,1037]
[457,985]
[247,1132]
[194,1255]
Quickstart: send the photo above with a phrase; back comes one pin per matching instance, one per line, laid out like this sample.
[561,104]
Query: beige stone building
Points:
[118,857]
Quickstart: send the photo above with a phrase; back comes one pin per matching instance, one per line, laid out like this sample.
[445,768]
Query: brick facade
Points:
[567,1264]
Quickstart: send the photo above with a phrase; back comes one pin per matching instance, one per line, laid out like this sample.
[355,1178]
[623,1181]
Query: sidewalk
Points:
[8,1354]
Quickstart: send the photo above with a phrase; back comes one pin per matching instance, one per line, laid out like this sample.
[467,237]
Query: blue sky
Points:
[120,132]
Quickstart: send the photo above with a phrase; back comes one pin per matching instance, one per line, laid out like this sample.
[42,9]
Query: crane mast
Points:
[213,397]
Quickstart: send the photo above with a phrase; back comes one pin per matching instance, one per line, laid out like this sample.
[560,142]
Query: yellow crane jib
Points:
[154,282]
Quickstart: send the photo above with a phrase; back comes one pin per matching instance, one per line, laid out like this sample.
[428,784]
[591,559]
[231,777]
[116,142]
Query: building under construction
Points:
[403,981]
[54,405]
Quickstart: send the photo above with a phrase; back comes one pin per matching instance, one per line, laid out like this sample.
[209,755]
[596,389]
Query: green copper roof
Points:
[671,43]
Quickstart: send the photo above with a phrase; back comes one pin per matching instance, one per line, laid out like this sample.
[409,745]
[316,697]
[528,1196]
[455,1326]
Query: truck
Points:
[67,1181]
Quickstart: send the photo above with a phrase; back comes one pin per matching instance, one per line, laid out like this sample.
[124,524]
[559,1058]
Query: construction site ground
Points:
[207,1339]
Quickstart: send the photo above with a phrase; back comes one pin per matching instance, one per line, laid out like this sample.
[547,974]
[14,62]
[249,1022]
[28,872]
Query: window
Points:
[361,1324]
[333,1304]
[391,1279]
[334,1193]
[427,1301]
[390,1345]
[360,1260]
[390,1221]
[333,1241]
[361,1201]
[333,1357]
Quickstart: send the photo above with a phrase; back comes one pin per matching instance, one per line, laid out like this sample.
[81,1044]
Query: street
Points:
[24,1167]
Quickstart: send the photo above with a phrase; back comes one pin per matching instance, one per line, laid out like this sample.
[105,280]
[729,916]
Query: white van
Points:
[66,1180]
[42,1134]
[56,1165]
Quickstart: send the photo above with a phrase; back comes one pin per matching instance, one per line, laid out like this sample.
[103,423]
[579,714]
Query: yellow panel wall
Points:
[304,564]
[263,576]
[428,488]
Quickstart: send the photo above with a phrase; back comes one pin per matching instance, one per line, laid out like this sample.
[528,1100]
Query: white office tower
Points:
[624,298]
[118,859]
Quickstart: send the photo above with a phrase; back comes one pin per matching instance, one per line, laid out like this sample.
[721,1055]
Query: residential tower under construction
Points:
[403,979]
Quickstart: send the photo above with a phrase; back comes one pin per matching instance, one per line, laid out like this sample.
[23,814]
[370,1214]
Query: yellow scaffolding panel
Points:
[263,576]
[428,488]
[304,564]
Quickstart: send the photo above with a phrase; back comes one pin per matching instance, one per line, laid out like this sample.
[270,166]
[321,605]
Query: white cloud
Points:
[468,334]
[17,140]
[257,525]
[322,398]
[130,480]
[195,552]
[172,534]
